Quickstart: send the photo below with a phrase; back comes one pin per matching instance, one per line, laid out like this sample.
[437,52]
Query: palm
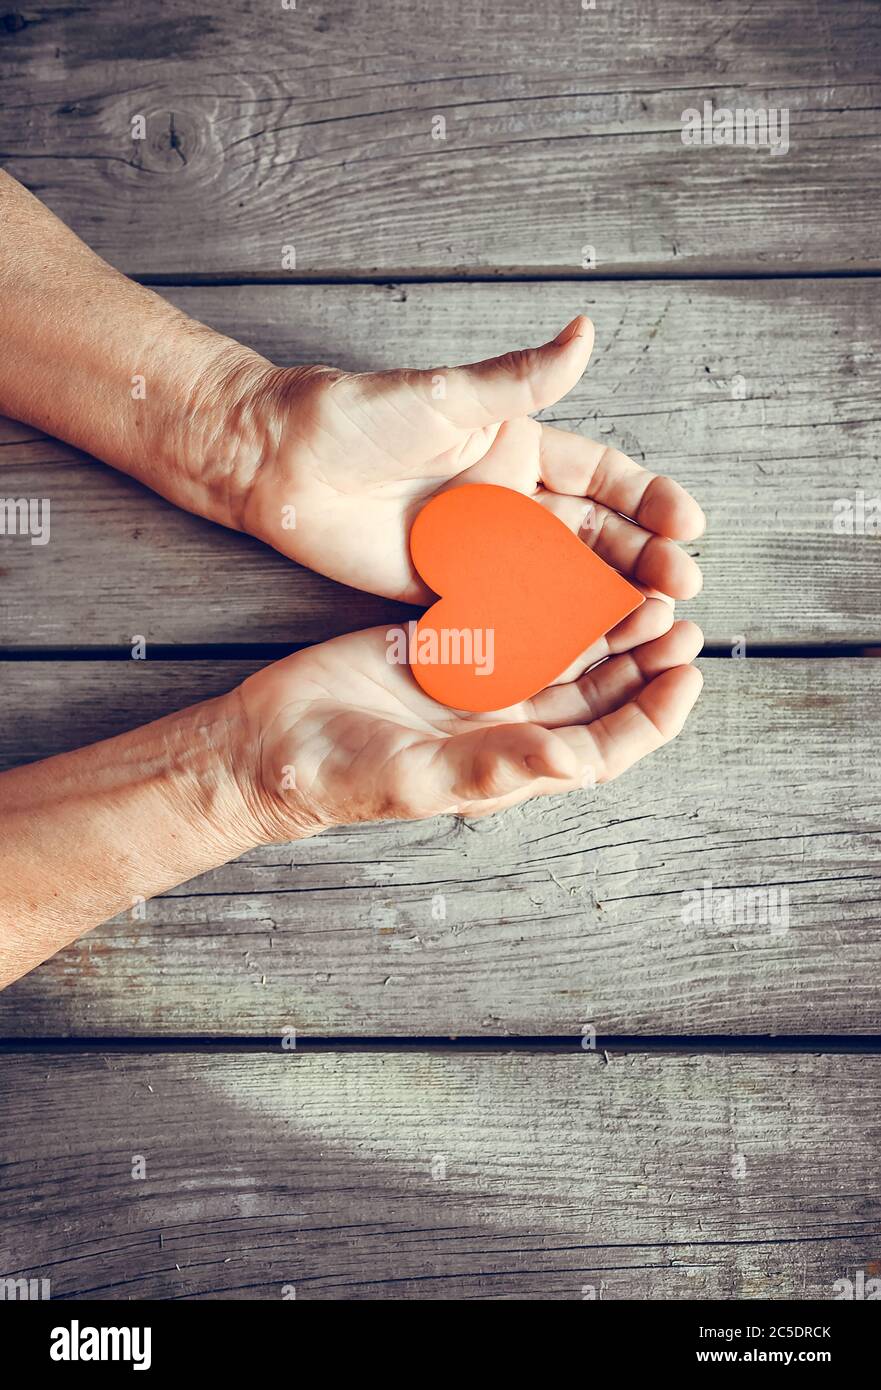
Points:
[362,464]
[350,460]
[347,736]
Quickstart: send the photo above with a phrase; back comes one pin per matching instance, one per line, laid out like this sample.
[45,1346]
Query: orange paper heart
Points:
[522,597]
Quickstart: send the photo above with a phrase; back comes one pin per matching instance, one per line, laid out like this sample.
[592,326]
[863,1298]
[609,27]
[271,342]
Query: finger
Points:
[614,742]
[510,460]
[517,383]
[652,619]
[493,762]
[610,685]
[581,467]
[638,554]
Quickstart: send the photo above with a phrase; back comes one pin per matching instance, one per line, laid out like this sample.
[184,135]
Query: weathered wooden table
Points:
[525,1065]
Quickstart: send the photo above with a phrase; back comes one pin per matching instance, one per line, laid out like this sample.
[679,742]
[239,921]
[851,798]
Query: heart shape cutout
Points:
[521,597]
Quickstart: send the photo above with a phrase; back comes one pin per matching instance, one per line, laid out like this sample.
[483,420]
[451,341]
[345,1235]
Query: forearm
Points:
[88,834]
[112,368]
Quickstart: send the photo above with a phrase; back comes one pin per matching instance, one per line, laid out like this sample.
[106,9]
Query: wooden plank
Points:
[440,1176]
[579,911]
[316,128]
[762,398]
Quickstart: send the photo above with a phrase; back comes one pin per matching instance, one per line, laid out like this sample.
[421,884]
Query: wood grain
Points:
[440,1176]
[456,1174]
[314,128]
[570,912]
[762,398]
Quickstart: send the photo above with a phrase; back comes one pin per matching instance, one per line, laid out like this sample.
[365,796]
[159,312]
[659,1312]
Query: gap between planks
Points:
[658,273]
[606,1047]
[274,651]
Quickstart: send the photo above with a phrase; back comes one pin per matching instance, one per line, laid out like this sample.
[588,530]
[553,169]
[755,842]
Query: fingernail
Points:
[568,333]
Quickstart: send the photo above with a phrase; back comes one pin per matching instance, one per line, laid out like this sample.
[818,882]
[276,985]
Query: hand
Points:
[329,468]
[345,462]
[334,734]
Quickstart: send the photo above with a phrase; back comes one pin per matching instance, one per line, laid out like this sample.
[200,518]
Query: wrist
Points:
[87,834]
[268,420]
[204,429]
[118,371]
[278,751]
[204,778]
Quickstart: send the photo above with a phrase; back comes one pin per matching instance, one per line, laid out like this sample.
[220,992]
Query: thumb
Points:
[492,762]
[517,383]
